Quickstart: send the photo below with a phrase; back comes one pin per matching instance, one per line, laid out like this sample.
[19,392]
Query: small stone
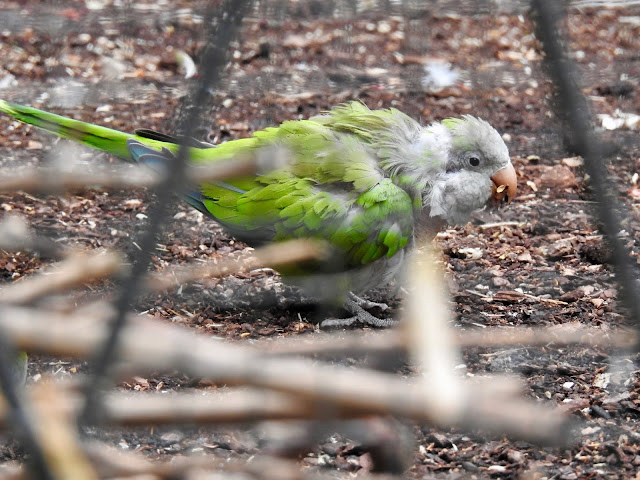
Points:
[470,253]
[558,177]
[132,203]
[515,456]
[439,440]
[573,162]
[470,467]
[501,282]
[572,296]
[333,448]
[525,257]
[83,39]
[384,27]
[172,437]
[497,468]
[598,411]
[590,430]
[560,248]
[602,380]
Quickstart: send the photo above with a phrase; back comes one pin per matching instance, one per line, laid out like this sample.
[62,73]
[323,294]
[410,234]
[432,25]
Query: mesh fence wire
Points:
[219,71]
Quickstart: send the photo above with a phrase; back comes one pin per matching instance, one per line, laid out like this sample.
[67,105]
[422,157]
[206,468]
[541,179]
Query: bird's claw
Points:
[366,304]
[356,306]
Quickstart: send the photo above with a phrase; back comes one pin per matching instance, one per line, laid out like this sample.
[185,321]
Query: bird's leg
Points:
[356,306]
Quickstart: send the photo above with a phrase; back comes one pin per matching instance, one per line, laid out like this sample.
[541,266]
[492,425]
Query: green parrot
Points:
[366,181]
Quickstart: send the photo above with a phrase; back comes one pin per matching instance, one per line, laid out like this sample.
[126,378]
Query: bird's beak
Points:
[505,184]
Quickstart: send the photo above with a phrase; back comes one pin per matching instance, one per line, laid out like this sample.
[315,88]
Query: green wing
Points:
[333,190]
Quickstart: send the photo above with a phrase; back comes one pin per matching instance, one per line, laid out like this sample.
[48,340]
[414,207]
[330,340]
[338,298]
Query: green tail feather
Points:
[101,138]
[113,141]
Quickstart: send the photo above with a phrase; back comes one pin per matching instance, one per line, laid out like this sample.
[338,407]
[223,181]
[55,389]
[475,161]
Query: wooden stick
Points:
[129,176]
[81,268]
[42,181]
[388,341]
[78,269]
[513,295]
[111,462]
[213,407]
[275,255]
[486,226]
[430,341]
[152,346]
[58,435]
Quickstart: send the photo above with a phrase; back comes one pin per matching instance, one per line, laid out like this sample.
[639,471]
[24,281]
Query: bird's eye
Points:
[474,160]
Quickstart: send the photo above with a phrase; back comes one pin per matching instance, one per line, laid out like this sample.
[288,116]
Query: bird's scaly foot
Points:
[356,306]
[366,304]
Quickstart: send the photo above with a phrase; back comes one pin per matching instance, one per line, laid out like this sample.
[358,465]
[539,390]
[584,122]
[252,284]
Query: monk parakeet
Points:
[366,181]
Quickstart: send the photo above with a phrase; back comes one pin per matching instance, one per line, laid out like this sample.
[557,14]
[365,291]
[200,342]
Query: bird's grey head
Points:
[475,145]
[478,169]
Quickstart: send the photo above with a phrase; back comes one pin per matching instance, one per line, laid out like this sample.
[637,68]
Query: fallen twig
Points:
[81,268]
[45,181]
[487,226]
[513,295]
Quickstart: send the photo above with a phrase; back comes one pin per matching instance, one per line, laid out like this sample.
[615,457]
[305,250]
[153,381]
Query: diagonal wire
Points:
[572,107]
[225,21]
[22,424]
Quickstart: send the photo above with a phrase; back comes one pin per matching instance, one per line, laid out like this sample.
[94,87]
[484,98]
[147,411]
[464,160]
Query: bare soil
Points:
[116,66]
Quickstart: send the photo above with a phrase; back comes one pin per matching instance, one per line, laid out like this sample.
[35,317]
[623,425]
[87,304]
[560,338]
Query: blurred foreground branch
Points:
[150,346]
[111,462]
[356,344]
[275,255]
[128,176]
[81,268]
[78,269]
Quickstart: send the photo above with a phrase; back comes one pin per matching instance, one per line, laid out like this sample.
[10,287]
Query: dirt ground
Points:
[542,263]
